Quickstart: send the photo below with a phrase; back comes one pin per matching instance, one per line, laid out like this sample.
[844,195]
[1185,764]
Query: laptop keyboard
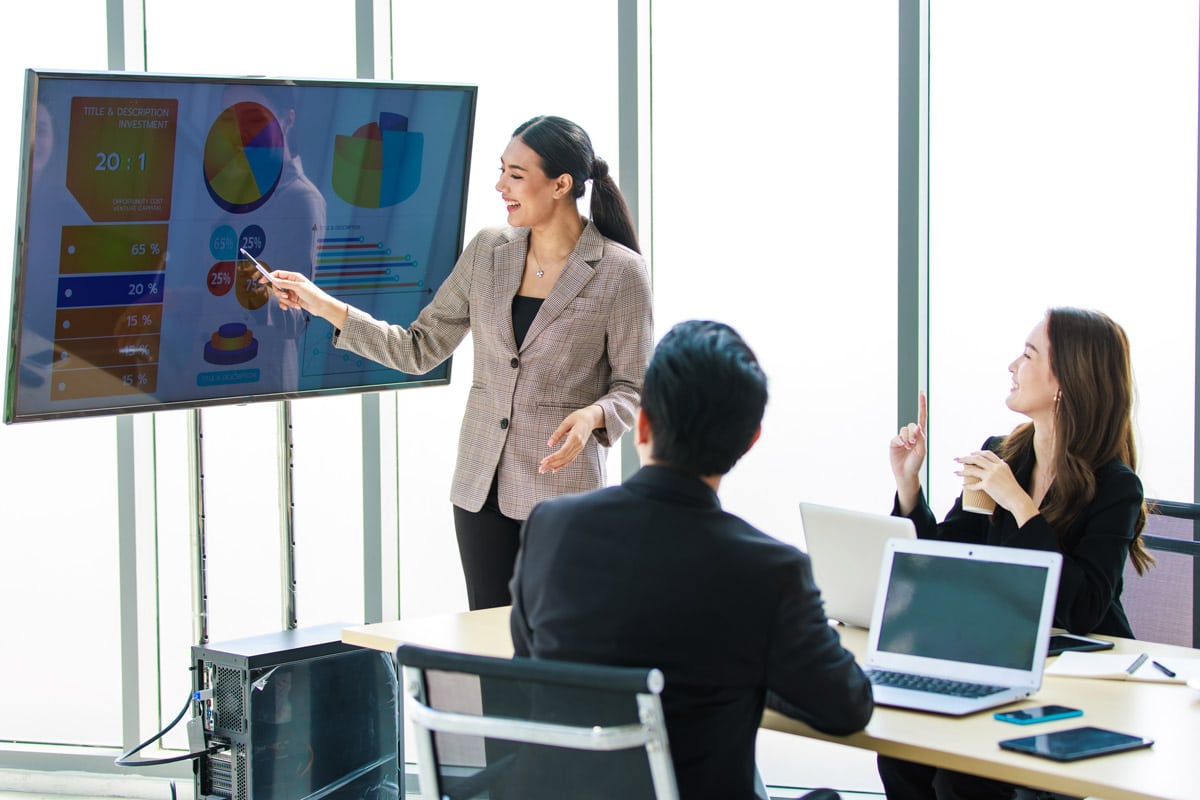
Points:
[923,683]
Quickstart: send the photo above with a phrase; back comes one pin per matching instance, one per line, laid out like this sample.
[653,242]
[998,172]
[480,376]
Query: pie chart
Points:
[243,157]
[380,164]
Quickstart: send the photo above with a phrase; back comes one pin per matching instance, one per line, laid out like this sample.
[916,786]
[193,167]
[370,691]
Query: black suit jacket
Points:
[1094,549]
[653,573]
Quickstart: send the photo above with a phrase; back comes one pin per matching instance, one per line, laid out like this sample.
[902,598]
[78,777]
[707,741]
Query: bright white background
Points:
[1063,169]
[1063,172]
[57,480]
[775,187]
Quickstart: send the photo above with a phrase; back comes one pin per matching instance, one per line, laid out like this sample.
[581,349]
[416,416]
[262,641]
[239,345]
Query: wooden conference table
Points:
[1167,713]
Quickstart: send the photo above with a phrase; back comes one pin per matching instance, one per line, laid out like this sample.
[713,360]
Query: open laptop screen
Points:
[962,609]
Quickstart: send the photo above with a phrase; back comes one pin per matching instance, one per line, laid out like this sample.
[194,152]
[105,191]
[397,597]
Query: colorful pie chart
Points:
[380,165]
[243,157]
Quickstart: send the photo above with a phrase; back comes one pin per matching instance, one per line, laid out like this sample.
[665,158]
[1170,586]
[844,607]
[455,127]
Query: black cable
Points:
[123,761]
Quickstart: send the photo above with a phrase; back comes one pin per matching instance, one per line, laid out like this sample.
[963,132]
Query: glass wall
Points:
[242,444]
[539,57]
[774,209]
[59,484]
[76,543]
[57,480]
[1062,172]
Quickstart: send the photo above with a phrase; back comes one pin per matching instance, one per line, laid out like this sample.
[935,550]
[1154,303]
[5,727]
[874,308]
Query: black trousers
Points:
[487,545]
[907,780]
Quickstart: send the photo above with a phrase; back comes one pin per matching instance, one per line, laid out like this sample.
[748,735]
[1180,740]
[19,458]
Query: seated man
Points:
[653,573]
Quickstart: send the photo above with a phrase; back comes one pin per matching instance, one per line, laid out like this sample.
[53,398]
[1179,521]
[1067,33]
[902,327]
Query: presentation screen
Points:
[145,201]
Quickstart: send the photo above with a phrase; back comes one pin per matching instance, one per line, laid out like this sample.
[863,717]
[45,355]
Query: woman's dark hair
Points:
[704,396]
[565,148]
[1093,424]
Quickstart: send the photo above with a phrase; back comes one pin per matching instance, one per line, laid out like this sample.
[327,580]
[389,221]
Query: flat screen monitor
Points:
[144,201]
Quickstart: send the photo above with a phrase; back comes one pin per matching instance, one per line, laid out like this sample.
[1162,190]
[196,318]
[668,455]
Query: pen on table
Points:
[1163,670]
[1132,668]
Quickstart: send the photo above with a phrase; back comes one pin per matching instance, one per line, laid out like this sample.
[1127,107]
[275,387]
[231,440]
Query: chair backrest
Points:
[530,728]
[1163,605]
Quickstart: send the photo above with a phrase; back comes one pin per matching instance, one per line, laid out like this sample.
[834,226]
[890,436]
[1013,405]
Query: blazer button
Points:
[504,423]
[515,362]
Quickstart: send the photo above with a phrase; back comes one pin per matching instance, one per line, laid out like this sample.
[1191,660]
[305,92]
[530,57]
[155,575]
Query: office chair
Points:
[528,728]
[1163,605]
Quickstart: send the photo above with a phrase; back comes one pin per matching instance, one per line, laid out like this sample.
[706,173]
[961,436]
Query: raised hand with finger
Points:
[907,451]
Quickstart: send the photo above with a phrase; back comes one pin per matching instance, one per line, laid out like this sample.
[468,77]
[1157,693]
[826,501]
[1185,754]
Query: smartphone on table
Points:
[1028,716]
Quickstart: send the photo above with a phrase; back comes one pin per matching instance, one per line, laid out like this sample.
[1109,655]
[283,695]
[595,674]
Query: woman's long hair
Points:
[1093,422]
[565,148]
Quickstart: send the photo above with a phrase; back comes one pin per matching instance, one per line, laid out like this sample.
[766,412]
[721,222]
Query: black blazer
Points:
[653,573]
[1094,549]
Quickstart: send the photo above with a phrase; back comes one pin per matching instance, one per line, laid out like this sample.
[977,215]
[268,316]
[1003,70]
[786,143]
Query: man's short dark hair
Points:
[704,397]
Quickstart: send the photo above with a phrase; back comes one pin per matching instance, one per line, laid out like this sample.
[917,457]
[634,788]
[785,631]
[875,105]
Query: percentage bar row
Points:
[112,248]
[110,290]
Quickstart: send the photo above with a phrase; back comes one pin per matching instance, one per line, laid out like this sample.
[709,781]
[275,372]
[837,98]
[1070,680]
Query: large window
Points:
[1062,172]
[774,209]
[242,444]
[543,57]
[57,480]
[774,165]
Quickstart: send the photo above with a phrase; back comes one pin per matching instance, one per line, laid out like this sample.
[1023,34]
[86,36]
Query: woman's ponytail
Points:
[609,210]
[565,148]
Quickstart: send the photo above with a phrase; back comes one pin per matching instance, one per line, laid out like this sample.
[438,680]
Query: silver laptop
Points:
[846,548]
[958,628]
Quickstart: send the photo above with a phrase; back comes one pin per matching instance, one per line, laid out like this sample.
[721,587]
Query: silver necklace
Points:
[540,272]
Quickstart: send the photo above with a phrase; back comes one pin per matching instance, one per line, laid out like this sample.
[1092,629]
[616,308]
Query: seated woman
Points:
[1062,481]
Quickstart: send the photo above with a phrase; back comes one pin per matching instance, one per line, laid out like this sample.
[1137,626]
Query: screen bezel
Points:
[976,673]
[33,77]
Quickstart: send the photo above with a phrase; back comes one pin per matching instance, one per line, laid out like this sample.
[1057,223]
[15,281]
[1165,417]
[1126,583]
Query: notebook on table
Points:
[959,628]
[846,549]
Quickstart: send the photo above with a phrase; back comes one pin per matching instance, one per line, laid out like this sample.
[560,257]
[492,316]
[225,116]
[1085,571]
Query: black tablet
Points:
[1076,743]
[1061,642]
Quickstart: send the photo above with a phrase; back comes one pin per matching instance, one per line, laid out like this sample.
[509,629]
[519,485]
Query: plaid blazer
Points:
[590,343]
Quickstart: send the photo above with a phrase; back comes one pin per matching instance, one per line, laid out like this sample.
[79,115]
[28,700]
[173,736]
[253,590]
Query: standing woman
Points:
[1063,481]
[559,311]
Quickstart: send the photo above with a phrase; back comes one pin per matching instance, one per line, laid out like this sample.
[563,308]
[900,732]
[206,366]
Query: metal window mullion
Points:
[912,296]
[128,582]
[629,96]
[372,445]
[1196,401]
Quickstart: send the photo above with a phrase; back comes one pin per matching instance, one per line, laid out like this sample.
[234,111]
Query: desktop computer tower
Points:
[297,714]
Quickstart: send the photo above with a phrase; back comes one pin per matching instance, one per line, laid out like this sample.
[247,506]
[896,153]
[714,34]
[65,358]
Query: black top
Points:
[1094,549]
[653,573]
[524,309]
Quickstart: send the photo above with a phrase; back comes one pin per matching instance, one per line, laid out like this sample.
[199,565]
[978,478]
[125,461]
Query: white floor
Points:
[44,796]
[789,765]
[21,785]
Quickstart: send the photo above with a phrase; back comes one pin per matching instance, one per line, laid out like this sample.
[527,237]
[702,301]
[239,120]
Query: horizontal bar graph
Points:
[349,263]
